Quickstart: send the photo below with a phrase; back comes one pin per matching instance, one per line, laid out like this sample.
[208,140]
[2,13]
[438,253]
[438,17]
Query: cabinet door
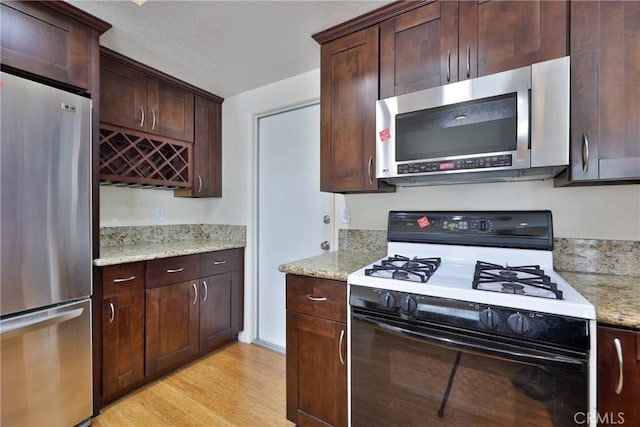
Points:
[605,91]
[41,41]
[170,110]
[348,93]
[419,49]
[172,325]
[122,341]
[501,35]
[123,92]
[619,381]
[207,150]
[215,311]
[316,371]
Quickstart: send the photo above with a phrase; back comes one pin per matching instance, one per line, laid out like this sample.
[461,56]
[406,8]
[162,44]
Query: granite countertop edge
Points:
[616,298]
[111,255]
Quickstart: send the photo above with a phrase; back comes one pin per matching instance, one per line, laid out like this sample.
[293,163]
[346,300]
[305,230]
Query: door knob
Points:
[325,246]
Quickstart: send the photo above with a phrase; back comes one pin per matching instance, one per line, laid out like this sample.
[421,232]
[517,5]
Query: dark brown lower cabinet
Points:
[172,325]
[316,352]
[618,377]
[160,314]
[123,341]
[215,311]
[122,328]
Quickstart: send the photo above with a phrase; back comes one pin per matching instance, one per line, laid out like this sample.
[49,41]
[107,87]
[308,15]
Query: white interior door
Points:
[291,209]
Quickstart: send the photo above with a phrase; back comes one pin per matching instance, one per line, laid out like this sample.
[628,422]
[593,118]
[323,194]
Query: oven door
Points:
[407,374]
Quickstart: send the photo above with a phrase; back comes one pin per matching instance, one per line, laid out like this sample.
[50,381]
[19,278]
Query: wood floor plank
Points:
[239,385]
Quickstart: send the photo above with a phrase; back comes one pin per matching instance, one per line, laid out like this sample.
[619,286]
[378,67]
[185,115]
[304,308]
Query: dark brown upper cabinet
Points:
[348,93]
[207,147]
[157,131]
[135,100]
[51,40]
[446,41]
[605,94]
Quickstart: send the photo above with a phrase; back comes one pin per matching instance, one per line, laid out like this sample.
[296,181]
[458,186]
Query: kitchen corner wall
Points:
[600,212]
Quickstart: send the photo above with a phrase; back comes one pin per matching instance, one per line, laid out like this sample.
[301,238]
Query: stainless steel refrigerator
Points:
[45,254]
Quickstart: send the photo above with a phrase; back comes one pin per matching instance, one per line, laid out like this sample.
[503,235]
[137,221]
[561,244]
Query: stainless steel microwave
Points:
[512,125]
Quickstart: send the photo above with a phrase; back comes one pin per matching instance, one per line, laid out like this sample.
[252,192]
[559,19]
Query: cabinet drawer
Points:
[317,297]
[121,278]
[212,263]
[165,271]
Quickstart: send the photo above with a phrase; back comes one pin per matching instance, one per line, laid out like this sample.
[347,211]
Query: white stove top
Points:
[453,278]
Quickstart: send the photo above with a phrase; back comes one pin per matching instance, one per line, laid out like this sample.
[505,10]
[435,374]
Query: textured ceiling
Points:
[224,47]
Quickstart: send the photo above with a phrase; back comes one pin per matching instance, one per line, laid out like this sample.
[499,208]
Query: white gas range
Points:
[480,287]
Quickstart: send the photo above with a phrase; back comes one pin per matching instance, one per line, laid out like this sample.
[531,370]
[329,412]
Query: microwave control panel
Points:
[502,160]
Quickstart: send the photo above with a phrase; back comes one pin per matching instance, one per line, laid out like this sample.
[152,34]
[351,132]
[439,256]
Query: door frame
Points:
[250,332]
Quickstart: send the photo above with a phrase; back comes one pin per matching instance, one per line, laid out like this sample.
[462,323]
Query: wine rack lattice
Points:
[137,159]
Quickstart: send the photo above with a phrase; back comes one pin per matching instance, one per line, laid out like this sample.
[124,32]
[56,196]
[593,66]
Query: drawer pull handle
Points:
[219,262]
[195,296]
[125,279]
[340,347]
[618,345]
[113,313]
[312,298]
[175,270]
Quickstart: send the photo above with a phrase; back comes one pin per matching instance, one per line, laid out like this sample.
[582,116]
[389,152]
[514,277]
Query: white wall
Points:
[601,212]
[120,206]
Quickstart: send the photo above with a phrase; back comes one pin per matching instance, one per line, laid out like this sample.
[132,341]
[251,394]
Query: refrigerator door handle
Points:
[22,326]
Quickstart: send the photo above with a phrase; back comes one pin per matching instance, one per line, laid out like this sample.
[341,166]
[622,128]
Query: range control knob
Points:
[518,323]
[388,301]
[408,304]
[489,318]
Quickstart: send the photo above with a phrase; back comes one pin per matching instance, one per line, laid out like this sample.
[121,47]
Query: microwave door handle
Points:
[522,127]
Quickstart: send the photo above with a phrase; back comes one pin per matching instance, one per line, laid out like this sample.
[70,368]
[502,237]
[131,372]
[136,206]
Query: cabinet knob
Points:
[325,246]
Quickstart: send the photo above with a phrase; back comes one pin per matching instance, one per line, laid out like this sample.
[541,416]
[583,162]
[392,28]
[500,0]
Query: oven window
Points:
[483,126]
[399,380]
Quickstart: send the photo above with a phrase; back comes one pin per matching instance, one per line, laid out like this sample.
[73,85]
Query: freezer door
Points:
[45,167]
[46,367]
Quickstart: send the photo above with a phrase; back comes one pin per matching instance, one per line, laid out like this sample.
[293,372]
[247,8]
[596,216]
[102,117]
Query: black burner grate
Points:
[404,268]
[515,280]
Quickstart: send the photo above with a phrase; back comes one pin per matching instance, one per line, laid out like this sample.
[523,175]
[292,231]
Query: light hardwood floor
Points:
[239,385]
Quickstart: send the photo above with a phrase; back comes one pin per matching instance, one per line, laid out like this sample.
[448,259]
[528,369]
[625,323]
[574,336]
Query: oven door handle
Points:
[478,345]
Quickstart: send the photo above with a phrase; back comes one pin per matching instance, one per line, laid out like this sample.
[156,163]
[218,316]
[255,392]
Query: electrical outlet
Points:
[346,215]
[159,214]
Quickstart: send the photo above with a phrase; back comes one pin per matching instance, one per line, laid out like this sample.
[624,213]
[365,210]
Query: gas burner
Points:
[512,288]
[404,268]
[527,280]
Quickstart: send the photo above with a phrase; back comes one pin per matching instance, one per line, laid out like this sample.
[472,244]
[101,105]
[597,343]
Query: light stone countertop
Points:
[335,265]
[616,298]
[110,255]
